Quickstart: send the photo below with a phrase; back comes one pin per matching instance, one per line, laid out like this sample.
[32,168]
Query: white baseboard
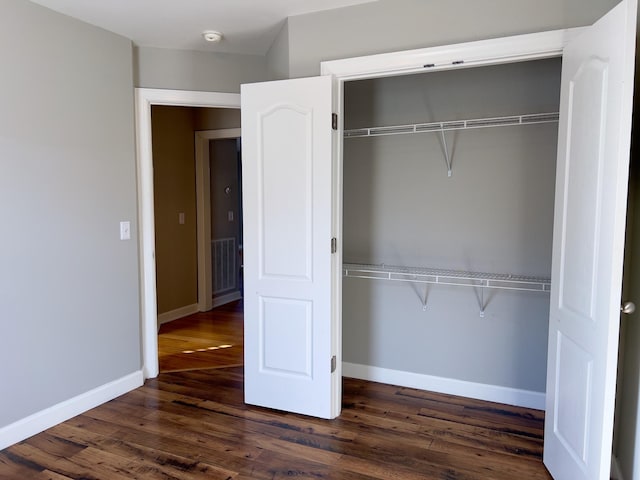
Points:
[167,317]
[480,391]
[47,418]
[228,298]
[616,473]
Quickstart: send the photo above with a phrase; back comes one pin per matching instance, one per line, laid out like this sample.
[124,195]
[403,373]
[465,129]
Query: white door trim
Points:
[518,48]
[144,99]
[203,211]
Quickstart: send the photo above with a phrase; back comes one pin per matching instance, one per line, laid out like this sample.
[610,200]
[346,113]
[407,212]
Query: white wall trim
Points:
[480,391]
[203,211]
[167,317]
[144,99]
[228,298]
[483,52]
[47,418]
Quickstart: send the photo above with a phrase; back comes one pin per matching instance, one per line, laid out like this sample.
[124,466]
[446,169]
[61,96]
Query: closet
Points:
[448,185]
[468,200]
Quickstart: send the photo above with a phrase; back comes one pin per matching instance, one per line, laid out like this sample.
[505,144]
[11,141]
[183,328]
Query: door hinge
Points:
[334,245]
[333,364]
[334,121]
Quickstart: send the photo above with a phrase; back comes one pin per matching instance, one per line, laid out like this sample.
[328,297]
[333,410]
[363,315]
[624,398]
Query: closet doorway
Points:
[448,227]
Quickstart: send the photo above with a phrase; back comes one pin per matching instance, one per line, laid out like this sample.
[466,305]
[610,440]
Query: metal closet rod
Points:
[527,119]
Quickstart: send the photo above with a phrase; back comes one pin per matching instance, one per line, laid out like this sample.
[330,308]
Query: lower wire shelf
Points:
[447,277]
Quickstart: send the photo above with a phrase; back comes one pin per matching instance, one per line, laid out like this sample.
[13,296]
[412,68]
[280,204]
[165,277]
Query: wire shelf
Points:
[447,277]
[528,119]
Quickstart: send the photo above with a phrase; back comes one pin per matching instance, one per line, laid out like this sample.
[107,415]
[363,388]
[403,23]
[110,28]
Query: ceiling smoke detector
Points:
[212,36]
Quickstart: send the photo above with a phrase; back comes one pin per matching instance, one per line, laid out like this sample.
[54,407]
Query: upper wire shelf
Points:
[447,277]
[528,119]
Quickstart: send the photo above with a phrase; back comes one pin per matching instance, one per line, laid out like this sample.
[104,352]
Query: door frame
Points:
[145,98]
[203,210]
[519,48]
[495,51]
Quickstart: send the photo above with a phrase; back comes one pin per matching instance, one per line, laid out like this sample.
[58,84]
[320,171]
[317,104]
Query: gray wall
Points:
[70,317]
[200,71]
[495,214]
[278,55]
[391,25]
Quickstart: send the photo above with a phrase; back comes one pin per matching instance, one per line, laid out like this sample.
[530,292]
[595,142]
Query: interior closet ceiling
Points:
[248,26]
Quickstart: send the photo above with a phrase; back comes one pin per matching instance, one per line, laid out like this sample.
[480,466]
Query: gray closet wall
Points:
[494,214]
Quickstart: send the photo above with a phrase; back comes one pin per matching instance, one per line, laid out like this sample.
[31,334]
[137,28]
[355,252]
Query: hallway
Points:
[211,339]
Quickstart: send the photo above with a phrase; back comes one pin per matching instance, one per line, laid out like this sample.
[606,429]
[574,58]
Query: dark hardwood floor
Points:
[211,339]
[192,425]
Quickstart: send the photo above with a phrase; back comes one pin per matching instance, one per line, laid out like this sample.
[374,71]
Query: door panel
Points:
[286,336]
[583,189]
[288,225]
[286,239]
[572,397]
[588,245]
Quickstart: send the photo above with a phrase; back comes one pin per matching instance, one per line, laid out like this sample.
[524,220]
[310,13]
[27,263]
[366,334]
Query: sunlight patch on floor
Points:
[207,349]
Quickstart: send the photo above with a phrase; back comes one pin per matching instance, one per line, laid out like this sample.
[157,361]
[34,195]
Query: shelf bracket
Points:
[482,304]
[446,152]
[426,297]
[423,300]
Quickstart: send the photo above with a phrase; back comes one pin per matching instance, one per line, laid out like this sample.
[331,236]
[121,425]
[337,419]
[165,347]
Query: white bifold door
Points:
[287,140]
[588,246]
[289,198]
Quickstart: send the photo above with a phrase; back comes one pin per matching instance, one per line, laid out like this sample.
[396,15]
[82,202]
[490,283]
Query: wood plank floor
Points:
[192,425]
[211,339]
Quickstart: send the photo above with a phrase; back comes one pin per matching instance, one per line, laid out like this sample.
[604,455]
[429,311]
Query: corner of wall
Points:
[135,60]
[278,55]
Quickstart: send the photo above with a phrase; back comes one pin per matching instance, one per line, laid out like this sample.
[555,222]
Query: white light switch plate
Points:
[125,230]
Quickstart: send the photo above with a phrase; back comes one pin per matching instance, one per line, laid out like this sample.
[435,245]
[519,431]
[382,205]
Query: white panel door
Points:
[588,245]
[287,199]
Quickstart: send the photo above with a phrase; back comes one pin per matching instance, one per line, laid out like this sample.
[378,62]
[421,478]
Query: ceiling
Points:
[248,26]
